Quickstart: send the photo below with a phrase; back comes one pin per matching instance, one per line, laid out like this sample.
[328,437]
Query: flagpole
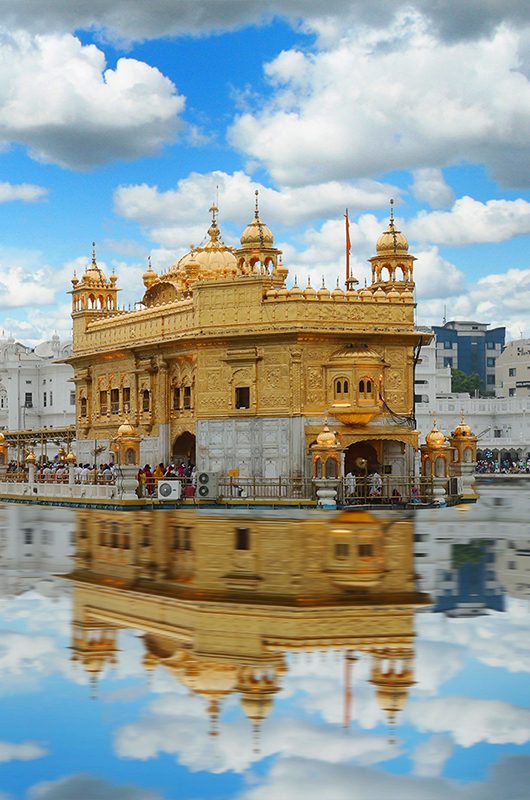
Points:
[347,250]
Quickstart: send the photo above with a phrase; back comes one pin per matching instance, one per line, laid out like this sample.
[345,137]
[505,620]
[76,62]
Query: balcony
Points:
[354,414]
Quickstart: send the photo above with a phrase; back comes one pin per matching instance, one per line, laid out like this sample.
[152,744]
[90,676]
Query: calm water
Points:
[199,655]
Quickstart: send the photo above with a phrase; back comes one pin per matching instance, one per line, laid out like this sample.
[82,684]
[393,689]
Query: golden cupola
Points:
[392,267]
[257,252]
[93,291]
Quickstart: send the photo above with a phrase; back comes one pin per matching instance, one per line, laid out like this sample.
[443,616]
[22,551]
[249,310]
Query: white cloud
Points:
[91,114]
[27,192]
[430,755]
[88,787]
[471,720]
[25,751]
[387,100]
[471,221]
[135,19]
[429,186]
[175,215]
[300,779]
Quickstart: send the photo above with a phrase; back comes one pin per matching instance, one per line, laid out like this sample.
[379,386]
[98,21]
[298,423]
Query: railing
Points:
[266,488]
[397,490]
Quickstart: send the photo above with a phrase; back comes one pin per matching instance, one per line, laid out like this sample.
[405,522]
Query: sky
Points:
[123,122]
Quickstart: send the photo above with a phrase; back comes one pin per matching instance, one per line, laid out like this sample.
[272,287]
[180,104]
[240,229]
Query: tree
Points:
[460,382]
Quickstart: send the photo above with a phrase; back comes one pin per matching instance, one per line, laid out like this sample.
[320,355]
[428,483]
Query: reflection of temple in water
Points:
[221,599]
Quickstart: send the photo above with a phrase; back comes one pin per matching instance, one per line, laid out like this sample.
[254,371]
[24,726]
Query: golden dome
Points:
[70,458]
[463,429]
[309,291]
[126,430]
[337,292]
[149,276]
[392,241]
[323,292]
[93,274]
[256,706]
[257,234]
[326,438]
[31,458]
[214,259]
[2,438]
[296,291]
[435,439]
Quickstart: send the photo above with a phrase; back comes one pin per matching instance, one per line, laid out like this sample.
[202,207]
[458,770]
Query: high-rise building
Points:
[471,348]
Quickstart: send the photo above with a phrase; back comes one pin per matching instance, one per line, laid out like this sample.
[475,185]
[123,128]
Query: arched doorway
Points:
[357,451]
[184,448]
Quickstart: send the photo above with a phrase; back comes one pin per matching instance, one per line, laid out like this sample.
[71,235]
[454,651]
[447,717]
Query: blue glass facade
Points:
[470,347]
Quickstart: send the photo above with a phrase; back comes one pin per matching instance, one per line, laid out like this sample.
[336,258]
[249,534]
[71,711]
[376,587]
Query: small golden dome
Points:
[392,241]
[257,234]
[256,707]
[31,458]
[71,457]
[126,430]
[463,429]
[93,274]
[149,276]
[326,438]
[309,291]
[2,438]
[323,293]
[435,439]
[337,292]
[296,291]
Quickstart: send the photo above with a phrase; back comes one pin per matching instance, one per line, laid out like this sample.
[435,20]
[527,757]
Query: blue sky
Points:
[119,120]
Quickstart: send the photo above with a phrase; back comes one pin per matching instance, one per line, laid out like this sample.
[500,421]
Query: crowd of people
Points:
[149,479]
[505,467]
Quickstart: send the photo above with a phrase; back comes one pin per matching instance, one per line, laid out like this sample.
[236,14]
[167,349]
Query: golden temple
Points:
[221,600]
[223,364]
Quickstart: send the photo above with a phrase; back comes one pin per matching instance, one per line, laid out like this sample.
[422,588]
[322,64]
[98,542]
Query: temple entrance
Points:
[353,459]
[184,449]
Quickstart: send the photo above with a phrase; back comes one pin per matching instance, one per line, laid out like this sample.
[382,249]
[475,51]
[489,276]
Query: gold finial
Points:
[256,212]
[391,211]
[93,254]
[149,262]
[338,287]
[214,211]
[323,284]
[296,280]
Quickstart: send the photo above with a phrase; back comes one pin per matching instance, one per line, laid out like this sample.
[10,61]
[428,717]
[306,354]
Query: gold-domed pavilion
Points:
[223,362]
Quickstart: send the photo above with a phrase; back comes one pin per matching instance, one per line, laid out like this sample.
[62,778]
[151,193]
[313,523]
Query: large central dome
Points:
[213,258]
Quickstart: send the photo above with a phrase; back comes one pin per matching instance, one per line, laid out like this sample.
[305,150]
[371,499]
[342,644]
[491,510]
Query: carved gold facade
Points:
[224,364]
[221,601]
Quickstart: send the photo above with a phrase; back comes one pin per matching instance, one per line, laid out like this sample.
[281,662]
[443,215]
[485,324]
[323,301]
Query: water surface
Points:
[161,655]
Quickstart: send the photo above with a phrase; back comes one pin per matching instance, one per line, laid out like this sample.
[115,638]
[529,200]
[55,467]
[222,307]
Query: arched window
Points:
[130,456]
[83,407]
[366,389]
[342,388]
[146,400]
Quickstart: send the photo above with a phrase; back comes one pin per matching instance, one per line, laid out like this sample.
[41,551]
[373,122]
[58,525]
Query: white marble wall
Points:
[267,447]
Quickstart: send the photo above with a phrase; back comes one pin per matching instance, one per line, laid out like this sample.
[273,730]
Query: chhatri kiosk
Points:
[225,364]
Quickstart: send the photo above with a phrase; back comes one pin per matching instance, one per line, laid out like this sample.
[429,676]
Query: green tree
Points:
[460,382]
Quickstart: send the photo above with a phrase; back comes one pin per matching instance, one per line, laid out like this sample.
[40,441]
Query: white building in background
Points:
[512,370]
[36,545]
[35,390]
[501,423]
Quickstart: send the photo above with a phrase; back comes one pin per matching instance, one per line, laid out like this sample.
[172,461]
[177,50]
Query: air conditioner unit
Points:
[208,485]
[169,490]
